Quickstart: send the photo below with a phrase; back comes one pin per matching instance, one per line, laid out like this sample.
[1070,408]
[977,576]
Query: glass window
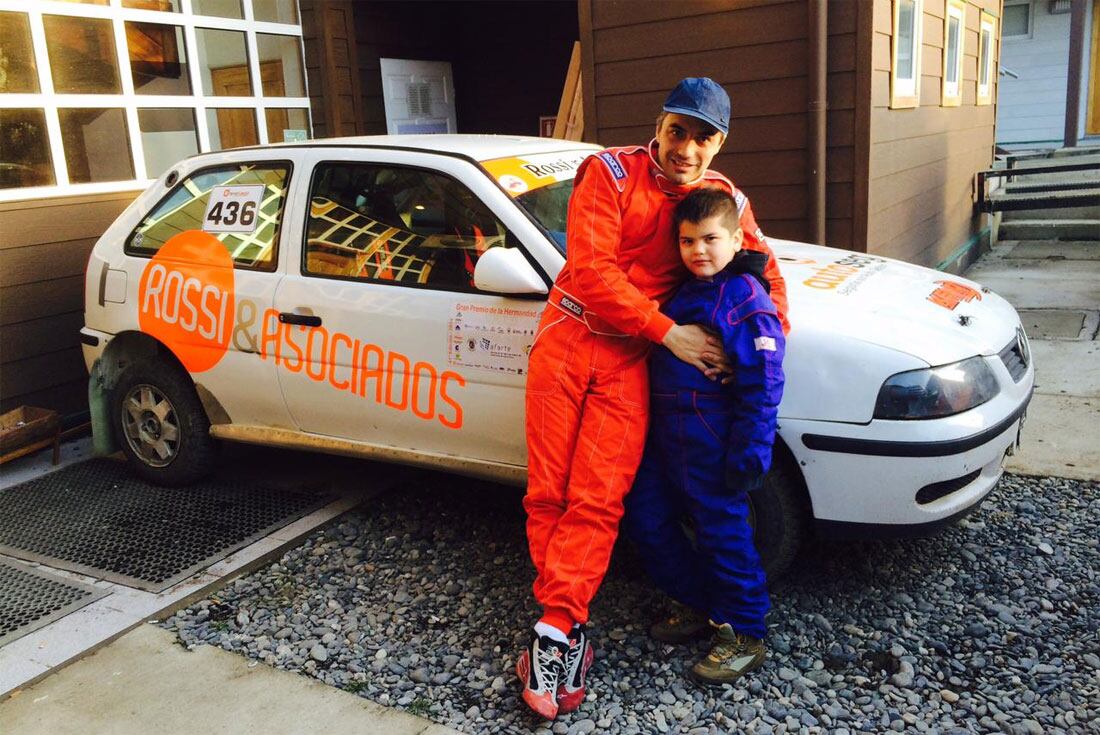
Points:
[17,70]
[275,11]
[220,8]
[906,38]
[286,125]
[985,59]
[905,60]
[953,38]
[158,59]
[983,73]
[232,127]
[280,65]
[24,149]
[1017,20]
[167,136]
[168,6]
[413,227]
[184,208]
[82,55]
[97,145]
[223,60]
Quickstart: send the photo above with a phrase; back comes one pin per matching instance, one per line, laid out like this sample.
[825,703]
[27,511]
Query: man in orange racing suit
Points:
[587,385]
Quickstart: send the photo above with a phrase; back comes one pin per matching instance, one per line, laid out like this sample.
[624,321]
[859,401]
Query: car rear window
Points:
[186,207]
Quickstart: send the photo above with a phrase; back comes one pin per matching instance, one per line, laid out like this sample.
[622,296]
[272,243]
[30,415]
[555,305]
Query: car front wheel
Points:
[780,516]
[161,425]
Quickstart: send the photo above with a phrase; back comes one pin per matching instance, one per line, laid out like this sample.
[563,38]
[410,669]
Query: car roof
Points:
[477,147]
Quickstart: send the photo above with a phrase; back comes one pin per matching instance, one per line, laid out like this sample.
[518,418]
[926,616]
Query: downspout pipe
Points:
[818,107]
[1073,80]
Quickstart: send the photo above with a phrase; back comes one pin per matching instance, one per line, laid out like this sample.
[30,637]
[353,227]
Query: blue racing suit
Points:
[708,445]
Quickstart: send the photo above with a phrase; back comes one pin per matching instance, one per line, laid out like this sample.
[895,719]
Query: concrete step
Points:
[1082,204]
[1053,250]
[1040,229]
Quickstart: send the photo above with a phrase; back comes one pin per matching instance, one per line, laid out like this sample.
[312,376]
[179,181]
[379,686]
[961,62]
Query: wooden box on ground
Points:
[27,429]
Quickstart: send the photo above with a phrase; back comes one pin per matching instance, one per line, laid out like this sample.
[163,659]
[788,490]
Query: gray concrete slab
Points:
[1060,438]
[1056,323]
[1056,250]
[1040,284]
[1068,369]
[144,683]
[1043,229]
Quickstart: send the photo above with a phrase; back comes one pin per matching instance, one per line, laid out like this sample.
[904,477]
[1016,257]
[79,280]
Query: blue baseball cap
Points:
[701,97]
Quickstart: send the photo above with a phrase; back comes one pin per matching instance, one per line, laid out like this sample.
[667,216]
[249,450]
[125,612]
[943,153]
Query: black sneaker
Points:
[578,659]
[541,668]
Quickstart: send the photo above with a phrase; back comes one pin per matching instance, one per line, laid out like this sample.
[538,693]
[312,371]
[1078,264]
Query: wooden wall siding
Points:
[328,34]
[44,247]
[757,49]
[922,161]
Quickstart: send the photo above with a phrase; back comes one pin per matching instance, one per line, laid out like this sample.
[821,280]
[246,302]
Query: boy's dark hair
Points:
[704,203]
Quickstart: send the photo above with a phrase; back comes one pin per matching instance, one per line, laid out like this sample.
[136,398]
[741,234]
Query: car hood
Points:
[936,317]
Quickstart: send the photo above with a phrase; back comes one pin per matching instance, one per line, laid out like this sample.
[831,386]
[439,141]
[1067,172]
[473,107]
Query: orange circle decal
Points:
[186,298]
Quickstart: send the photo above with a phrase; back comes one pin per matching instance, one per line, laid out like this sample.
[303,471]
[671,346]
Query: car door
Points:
[383,337]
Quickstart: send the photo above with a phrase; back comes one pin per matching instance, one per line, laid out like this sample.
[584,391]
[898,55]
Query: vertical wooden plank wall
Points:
[44,246]
[335,95]
[757,49]
[923,160]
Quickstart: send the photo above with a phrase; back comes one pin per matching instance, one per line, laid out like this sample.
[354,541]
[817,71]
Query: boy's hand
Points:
[696,346]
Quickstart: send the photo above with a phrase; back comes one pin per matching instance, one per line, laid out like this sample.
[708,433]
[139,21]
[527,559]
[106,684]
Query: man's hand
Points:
[696,346]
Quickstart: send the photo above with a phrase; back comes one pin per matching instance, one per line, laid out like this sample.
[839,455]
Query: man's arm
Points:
[753,336]
[754,240]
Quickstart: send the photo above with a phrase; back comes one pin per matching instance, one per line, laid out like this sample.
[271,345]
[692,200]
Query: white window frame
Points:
[985,61]
[952,92]
[48,101]
[1030,20]
[905,91]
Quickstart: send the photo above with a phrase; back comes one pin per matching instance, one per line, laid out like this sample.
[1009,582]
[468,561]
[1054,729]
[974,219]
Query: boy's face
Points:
[707,247]
[685,147]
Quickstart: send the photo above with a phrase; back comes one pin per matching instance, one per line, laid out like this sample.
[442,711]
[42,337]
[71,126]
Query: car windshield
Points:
[541,183]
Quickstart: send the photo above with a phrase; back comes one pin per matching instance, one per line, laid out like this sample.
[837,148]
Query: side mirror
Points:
[505,270]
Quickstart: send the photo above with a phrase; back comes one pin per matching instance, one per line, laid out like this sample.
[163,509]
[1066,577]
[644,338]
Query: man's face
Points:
[708,246]
[685,146]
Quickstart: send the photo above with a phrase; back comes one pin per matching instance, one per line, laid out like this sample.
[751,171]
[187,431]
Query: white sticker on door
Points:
[233,208]
[496,338]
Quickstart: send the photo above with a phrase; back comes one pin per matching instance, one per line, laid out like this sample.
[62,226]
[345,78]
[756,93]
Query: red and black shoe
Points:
[540,669]
[578,660]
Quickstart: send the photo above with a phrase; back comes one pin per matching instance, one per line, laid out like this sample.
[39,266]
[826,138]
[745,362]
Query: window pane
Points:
[1015,22]
[97,145]
[82,55]
[286,125]
[158,59]
[224,63]
[184,208]
[275,11]
[987,62]
[24,149]
[220,8]
[171,6]
[167,136]
[17,70]
[280,65]
[952,70]
[232,128]
[906,38]
[380,223]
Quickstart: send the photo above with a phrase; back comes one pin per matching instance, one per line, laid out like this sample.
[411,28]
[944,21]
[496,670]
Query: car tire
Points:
[161,425]
[780,517]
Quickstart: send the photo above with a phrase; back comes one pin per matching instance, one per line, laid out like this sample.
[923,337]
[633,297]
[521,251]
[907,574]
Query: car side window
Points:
[410,226]
[255,243]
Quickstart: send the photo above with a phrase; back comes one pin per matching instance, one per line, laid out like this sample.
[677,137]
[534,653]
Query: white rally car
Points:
[377,297]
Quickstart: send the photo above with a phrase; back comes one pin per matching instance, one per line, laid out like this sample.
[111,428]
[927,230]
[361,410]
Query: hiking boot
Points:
[683,624]
[732,656]
[541,669]
[578,659]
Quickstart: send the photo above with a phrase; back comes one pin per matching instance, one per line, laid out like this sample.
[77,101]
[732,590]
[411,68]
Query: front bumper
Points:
[864,480]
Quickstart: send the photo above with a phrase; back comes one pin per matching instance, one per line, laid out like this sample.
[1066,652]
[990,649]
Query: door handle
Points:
[306,320]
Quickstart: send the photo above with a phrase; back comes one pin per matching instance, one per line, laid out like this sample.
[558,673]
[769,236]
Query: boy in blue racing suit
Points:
[710,444]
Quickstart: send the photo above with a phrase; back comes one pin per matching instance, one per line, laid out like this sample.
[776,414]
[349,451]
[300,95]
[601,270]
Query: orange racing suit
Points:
[587,385]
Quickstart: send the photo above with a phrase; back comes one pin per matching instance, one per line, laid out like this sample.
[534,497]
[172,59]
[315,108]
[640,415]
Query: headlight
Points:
[936,392]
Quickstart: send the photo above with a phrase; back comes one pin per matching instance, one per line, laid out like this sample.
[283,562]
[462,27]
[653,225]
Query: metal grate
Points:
[98,519]
[30,599]
[1015,357]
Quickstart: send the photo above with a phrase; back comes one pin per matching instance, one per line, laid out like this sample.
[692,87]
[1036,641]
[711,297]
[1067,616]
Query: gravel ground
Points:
[423,600]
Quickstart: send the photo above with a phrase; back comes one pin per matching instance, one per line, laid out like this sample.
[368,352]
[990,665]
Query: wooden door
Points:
[238,126]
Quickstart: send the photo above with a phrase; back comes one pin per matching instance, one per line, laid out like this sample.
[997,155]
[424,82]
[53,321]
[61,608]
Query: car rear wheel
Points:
[780,517]
[161,425]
